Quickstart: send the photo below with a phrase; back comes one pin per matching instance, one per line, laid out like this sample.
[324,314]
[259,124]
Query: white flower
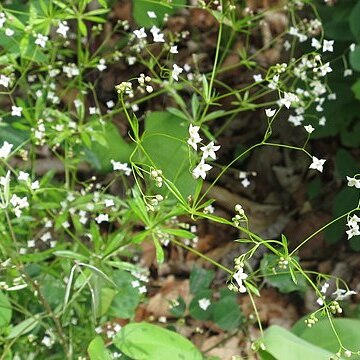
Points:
[317,164]
[353,231]
[288,99]
[204,303]
[4,81]
[71,70]
[151,14]
[16,110]
[2,19]
[41,40]
[62,29]
[201,169]
[174,50]
[342,294]
[109,202]
[309,128]
[352,47]
[5,150]
[245,183]
[35,185]
[101,218]
[9,32]
[23,176]
[194,136]
[209,150]
[101,66]
[328,45]
[110,104]
[117,165]
[348,72]
[270,112]
[324,288]
[352,181]
[322,121]
[140,34]
[177,70]
[239,276]
[257,77]
[157,36]
[316,43]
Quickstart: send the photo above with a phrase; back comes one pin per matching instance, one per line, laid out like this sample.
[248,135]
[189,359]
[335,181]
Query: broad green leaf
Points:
[143,341]
[5,310]
[322,335]
[346,165]
[284,345]
[200,279]
[355,58]
[354,21]
[226,313]
[97,350]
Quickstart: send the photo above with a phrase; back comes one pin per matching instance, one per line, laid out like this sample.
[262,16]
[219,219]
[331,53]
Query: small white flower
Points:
[41,40]
[328,45]
[23,176]
[5,150]
[201,169]
[109,202]
[270,112]
[322,121]
[4,81]
[209,150]
[317,164]
[245,183]
[140,34]
[324,288]
[2,19]
[110,104]
[204,303]
[352,181]
[352,47]
[117,165]
[16,110]
[151,15]
[257,77]
[35,185]
[174,50]
[239,276]
[177,70]
[9,32]
[353,231]
[62,29]
[348,72]
[101,218]
[157,35]
[309,128]
[342,294]
[101,66]
[316,43]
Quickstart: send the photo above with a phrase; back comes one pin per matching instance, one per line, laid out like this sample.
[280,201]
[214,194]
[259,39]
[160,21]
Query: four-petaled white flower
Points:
[41,40]
[4,81]
[239,276]
[151,14]
[316,43]
[117,165]
[140,34]
[209,150]
[309,128]
[328,45]
[62,29]
[342,294]
[101,66]
[352,181]
[101,218]
[204,303]
[23,176]
[157,35]
[317,164]
[194,138]
[16,110]
[201,169]
[174,50]
[257,77]
[5,150]
[177,70]
[270,112]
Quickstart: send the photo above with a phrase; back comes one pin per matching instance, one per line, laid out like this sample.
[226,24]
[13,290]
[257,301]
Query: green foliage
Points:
[143,341]
[281,344]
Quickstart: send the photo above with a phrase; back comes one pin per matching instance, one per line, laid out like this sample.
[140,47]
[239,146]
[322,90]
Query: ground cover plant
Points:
[179,180]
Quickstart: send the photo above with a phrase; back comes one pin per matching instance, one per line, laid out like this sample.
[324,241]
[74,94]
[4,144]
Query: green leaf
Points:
[346,165]
[321,334]
[97,350]
[282,279]
[194,308]
[355,58]
[284,345]
[226,313]
[354,21]
[23,327]
[200,279]
[5,310]
[143,341]
[159,250]
[141,7]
